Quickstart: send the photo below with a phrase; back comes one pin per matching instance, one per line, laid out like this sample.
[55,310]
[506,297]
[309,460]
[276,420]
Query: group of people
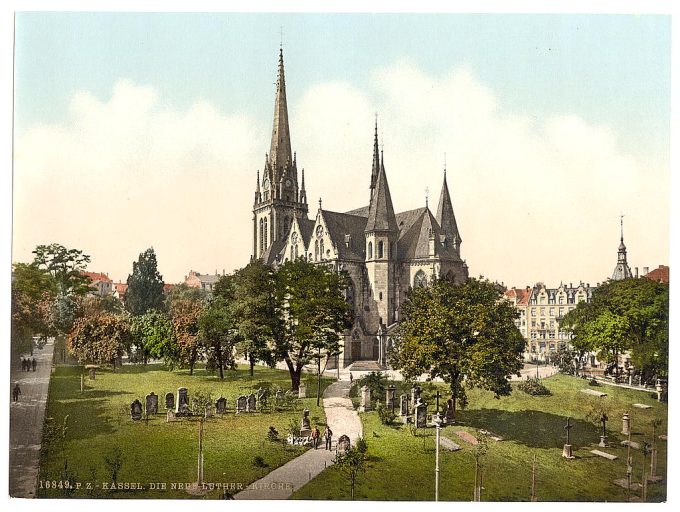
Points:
[327,435]
[28,364]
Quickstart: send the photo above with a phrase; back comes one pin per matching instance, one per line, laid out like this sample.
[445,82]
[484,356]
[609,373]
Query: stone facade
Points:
[384,253]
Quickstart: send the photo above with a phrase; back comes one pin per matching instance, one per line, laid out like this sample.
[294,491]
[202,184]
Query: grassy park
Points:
[401,465]
[99,424]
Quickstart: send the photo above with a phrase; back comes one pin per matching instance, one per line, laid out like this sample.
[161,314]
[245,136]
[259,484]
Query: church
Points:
[384,253]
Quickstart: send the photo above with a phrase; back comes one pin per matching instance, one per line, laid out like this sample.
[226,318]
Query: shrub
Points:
[376,382]
[294,427]
[259,462]
[273,434]
[385,414]
[533,386]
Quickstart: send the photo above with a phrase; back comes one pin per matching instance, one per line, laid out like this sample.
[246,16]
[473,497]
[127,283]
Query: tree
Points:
[314,313]
[256,312]
[185,305]
[145,285]
[99,338]
[152,334]
[66,267]
[630,315]
[464,333]
[217,331]
[353,463]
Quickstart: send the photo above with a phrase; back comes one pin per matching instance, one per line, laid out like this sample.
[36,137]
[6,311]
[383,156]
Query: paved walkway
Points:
[26,419]
[283,481]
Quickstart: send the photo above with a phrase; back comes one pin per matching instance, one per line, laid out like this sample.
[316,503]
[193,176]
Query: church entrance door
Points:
[356,350]
[376,349]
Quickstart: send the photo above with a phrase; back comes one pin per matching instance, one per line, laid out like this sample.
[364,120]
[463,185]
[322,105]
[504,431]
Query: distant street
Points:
[26,421]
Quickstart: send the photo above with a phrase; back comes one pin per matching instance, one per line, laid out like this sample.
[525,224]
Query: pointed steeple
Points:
[381,212]
[445,216]
[622,270]
[376,157]
[280,153]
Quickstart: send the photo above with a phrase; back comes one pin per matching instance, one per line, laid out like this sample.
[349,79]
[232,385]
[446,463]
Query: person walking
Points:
[328,436]
[315,437]
[16,392]
[351,378]
[34,364]
[23,364]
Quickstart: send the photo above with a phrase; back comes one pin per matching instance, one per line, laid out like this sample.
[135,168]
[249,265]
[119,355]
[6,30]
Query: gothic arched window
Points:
[261,236]
[380,249]
[420,279]
[265,234]
[321,248]
[370,250]
[316,250]
[285,226]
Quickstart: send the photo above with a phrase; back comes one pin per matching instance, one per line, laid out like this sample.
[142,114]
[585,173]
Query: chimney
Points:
[570,285]
[645,271]
[636,272]
[222,271]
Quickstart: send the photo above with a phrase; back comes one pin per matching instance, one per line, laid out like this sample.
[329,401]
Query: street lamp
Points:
[436,419]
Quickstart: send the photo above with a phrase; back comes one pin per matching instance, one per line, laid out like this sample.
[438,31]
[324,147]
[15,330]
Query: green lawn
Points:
[99,420]
[401,466]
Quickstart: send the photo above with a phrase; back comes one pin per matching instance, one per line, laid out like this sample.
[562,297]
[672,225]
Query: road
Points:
[26,420]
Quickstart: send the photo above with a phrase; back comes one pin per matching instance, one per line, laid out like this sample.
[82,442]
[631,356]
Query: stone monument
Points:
[169,401]
[365,399]
[182,403]
[241,404]
[448,412]
[136,410]
[305,428]
[603,437]
[343,445]
[421,414]
[626,424]
[302,390]
[221,405]
[390,397]
[151,403]
[567,451]
[251,403]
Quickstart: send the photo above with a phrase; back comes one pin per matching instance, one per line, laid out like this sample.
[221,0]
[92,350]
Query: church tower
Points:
[381,236]
[622,270]
[278,197]
[447,220]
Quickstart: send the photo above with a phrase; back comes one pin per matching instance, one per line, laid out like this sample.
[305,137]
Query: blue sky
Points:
[555,123]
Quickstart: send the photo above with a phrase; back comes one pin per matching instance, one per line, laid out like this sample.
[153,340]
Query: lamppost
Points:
[436,419]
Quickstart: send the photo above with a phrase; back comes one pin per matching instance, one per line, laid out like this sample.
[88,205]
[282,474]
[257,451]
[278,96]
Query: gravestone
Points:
[343,445]
[634,445]
[221,405]
[251,403]
[365,399]
[151,403]
[169,416]
[209,411]
[182,403]
[92,371]
[302,390]
[642,406]
[136,410]
[448,412]
[241,404]
[626,424]
[604,441]
[447,444]
[280,396]
[604,454]
[403,405]
[415,394]
[421,414]
[662,390]
[466,436]
[169,401]
[594,392]
[306,427]
[390,397]
[567,451]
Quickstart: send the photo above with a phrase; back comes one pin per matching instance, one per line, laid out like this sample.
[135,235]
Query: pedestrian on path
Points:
[16,392]
[351,378]
[328,436]
[34,364]
[23,364]
[315,437]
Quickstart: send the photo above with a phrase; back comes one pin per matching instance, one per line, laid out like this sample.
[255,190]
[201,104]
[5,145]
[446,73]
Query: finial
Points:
[622,215]
[444,164]
[281,44]
[427,196]
[320,204]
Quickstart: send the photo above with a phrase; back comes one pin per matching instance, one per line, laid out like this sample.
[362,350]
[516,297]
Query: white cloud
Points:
[534,198]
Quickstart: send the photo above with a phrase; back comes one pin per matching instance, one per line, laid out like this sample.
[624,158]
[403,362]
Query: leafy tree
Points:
[314,312]
[95,303]
[353,463]
[99,338]
[256,312]
[630,315]
[463,333]
[145,285]
[564,358]
[33,290]
[185,305]
[66,267]
[152,334]
[217,331]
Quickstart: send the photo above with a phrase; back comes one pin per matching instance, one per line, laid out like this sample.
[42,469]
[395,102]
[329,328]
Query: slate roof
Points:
[381,213]
[306,228]
[414,235]
[445,215]
[275,249]
[341,224]
[361,212]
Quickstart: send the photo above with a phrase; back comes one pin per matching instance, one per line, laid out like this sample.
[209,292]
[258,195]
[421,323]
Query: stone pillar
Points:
[365,399]
[421,414]
[390,397]
[182,403]
[626,424]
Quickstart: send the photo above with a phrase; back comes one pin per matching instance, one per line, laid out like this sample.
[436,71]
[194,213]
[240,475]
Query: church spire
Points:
[622,270]
[381,212]
[376,157]
[280,152]
[445,216]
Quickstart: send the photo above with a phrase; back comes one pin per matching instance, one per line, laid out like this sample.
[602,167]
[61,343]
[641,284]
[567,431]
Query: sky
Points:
[134,130]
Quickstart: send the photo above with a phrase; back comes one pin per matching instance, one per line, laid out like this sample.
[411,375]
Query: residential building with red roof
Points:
[661,274]
[100,283]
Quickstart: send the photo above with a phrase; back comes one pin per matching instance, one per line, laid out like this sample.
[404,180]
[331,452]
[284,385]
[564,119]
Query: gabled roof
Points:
[415,227]
[275,249]
[306,228]
[445,215]
[341,224]
[361,212]
[97,276]
[661,274]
